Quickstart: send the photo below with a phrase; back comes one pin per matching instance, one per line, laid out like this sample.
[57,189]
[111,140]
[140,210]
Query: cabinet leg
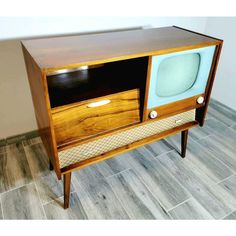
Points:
[50,165]
[67,182]
[184,140]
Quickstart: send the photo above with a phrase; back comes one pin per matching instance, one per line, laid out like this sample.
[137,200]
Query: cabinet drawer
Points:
[95,116]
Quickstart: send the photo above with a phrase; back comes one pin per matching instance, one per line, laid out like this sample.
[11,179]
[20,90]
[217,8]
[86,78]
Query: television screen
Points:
[177,74]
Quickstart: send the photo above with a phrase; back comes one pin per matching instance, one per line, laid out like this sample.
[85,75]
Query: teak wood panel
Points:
[175,107]
[42,108]
[74,122]
[128,147]
[201,112]
[56,53]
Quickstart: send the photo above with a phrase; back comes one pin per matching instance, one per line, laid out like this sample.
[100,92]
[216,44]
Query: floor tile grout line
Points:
[119,200]
[197,139]
[180,184]
[216,158]
[1,206]
[223,109]
[40,201]
[226,178]
[120,172]
[179,204]
[162,154]
[34,181]
[231,128]
[228,214]
[53,200]
[187,189]
[133,169]
[145,186]
[154,195]
[87,194]
[13,189]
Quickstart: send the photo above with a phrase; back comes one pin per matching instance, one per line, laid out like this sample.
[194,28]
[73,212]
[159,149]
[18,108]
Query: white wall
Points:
[224,89]
[16,110]
[19,27]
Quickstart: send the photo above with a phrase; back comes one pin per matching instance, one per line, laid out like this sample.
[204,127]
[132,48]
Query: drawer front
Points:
[106,144]
[96,116]
[175,107]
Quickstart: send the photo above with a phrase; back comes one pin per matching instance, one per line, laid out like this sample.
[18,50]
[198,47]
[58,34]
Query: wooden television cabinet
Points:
[91,92]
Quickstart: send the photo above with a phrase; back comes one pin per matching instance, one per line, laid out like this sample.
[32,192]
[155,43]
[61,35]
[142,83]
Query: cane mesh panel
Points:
[108,143]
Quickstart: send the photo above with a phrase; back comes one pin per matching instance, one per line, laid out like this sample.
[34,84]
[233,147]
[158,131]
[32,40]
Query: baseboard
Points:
[19,137]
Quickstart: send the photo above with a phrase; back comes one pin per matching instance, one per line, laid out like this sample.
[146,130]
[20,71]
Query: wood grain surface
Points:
[72,51]
[80,121]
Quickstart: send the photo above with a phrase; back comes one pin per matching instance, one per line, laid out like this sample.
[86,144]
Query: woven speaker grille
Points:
[108,143]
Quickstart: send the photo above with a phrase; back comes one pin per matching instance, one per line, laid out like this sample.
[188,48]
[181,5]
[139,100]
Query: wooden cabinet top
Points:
[56,53]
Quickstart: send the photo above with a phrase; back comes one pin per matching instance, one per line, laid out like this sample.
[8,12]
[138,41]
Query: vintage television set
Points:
[99,95]
[179,75]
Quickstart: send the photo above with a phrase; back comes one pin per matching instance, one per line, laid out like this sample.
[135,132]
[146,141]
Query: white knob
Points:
[200,100]
[153,114]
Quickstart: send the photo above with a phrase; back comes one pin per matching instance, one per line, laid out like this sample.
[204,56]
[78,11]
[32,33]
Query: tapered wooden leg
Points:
[50,165]
[67,182]
[184,140]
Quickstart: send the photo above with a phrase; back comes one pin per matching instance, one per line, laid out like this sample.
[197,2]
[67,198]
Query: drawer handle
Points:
[98,104]
[178,121]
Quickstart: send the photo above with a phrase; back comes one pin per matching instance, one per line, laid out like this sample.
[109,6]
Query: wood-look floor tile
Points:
[229,185]
[231,216]
[96,196]
[49,187]
[220,150]
[32,141]
[134,196]
[190,210]
[213,198]
[159,181]
[37,159]
[222,113]
[3,149]
[113,166]
[22,203]
[47,183]
[198,133]
[14,168]
[54,210]
[233,127]
[2,143]
[203,159]
[158,148]
[223,132]
[1,216]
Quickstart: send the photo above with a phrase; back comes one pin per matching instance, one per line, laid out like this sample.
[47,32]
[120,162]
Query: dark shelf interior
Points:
[95,82]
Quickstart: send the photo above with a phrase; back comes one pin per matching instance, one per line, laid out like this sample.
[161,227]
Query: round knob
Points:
[200,100]
[153,114]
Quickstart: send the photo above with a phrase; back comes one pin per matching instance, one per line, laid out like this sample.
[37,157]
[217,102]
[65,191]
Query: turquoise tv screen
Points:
[177,74]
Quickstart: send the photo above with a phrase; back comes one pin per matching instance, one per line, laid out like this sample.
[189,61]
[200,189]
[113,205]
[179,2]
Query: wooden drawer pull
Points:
[98,104]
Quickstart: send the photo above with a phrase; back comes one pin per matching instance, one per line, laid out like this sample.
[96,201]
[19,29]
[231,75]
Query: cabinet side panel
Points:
[201,112]
[42,108]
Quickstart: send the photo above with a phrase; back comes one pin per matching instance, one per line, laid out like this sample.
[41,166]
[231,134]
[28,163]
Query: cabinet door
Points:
[96,116]
[178,77]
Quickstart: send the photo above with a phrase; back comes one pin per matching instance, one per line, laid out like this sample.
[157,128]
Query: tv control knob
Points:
[200,100]
[153,114]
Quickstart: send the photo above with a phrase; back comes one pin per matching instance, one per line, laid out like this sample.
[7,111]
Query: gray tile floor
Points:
[152,182]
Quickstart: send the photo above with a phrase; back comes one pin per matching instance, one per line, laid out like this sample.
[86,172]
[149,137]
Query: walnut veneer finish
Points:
[65,123]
